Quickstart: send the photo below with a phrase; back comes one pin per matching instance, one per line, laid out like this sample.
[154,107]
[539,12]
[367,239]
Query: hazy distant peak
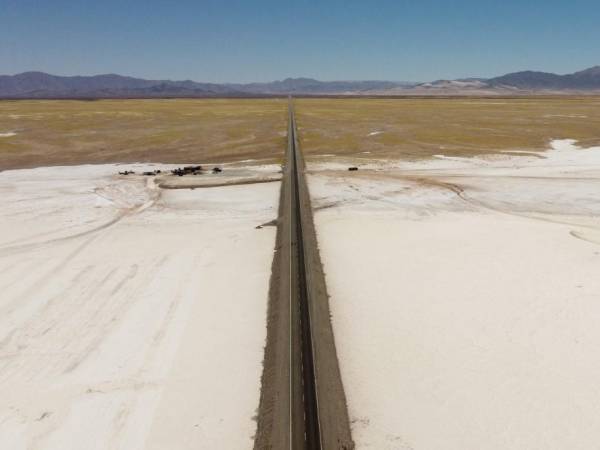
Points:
[588,79]
[455,84]
[42,85]
[592,71]
[300,80]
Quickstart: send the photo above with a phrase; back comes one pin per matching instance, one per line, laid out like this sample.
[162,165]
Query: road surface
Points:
[303,405]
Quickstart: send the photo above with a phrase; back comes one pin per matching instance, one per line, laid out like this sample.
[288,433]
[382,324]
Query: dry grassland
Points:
[225,130]
[420,128]
[168,131]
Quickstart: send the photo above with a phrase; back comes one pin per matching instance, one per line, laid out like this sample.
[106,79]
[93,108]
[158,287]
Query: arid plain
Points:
[107,131]
[461,260]
[179,131]
[417,128]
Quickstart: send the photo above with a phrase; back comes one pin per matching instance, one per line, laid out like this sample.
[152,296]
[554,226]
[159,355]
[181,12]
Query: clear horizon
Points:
[238,41]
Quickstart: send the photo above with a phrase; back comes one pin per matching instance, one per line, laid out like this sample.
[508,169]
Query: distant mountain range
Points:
[584,80]
[43,85]
[311,86]
[39,85]
[527,82]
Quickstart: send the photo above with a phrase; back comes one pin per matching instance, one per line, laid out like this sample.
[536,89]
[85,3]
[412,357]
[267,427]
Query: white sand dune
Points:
[464,298]
[130,318]
[8,134]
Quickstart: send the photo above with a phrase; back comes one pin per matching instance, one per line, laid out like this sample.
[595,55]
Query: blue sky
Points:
[238,41]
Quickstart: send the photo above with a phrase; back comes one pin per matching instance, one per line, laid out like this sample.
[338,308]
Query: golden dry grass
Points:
[223,130]
[420,128]
[168,131]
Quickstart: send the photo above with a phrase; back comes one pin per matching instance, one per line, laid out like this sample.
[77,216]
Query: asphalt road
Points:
[303,405]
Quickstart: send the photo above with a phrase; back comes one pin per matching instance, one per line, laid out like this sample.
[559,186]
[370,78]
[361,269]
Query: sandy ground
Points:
[130,317]
[465,298]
